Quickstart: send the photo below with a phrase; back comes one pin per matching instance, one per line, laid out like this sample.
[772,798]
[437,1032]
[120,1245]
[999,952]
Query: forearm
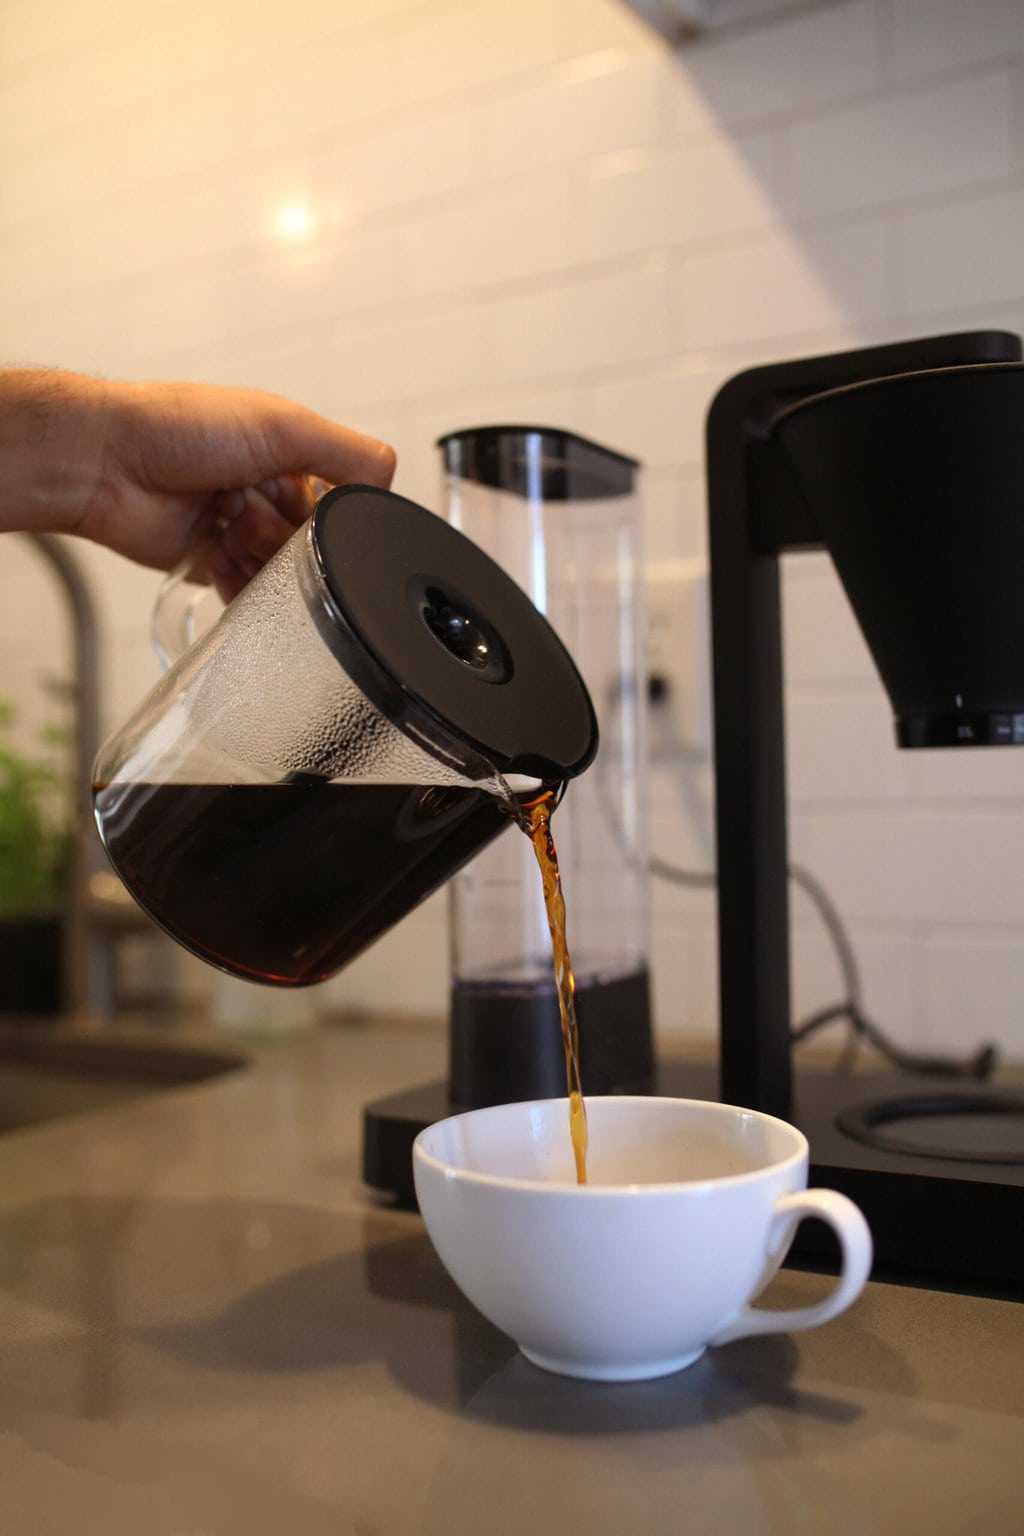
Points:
[53,426]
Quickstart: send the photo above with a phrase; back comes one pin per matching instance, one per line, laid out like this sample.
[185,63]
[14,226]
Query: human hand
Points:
[154,470]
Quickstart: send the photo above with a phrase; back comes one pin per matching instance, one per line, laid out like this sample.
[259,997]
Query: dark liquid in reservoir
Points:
[286,883]
[506,1042]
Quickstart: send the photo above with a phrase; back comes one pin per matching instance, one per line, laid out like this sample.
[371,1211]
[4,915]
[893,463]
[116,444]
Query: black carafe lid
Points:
[437,635]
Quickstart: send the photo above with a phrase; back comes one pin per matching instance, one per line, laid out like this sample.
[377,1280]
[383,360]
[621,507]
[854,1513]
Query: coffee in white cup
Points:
[689,1209]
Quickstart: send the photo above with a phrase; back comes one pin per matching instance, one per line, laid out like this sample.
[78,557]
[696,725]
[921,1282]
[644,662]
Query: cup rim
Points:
[549,1187]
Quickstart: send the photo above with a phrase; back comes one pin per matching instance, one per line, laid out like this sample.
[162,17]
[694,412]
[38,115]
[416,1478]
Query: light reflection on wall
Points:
[296,221]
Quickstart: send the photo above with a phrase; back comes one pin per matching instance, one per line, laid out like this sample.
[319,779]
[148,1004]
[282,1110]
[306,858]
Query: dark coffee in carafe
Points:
[286,883]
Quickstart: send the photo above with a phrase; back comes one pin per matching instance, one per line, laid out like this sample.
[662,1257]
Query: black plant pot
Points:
[30,966]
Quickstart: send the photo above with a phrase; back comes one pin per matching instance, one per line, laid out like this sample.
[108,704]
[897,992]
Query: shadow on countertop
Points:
[252,1294]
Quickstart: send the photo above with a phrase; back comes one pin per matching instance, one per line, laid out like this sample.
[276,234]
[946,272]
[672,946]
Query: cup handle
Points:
[854,1235]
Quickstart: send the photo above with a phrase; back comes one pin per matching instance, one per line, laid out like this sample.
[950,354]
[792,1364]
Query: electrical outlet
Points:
[678,659]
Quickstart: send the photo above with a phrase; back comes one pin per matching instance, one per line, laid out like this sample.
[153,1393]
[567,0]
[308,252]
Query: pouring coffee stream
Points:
[535,820]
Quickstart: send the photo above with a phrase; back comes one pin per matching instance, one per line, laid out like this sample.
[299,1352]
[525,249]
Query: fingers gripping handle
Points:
[854,1236]
[187,605]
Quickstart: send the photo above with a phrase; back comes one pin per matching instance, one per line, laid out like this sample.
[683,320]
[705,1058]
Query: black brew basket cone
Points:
[916,484]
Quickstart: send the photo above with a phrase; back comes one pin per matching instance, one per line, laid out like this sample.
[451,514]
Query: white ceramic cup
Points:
[688,1211]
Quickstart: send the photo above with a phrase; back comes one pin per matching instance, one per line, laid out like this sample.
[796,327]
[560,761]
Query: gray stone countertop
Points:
[208,1327]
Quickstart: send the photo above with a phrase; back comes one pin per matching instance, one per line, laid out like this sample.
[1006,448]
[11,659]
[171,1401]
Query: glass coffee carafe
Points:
[353,728]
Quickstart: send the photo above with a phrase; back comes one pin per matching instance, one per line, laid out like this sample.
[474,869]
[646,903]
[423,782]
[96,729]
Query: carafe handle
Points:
[187,604]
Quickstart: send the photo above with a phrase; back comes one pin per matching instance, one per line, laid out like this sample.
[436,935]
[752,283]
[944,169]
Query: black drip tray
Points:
[975,1128]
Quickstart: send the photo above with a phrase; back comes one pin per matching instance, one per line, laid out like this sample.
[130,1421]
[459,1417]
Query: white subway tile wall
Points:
[419,214]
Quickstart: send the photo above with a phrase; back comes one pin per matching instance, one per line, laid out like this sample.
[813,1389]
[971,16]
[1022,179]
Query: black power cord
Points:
[979,1066]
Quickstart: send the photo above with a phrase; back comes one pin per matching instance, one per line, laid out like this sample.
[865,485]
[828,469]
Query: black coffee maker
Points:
[905,463]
